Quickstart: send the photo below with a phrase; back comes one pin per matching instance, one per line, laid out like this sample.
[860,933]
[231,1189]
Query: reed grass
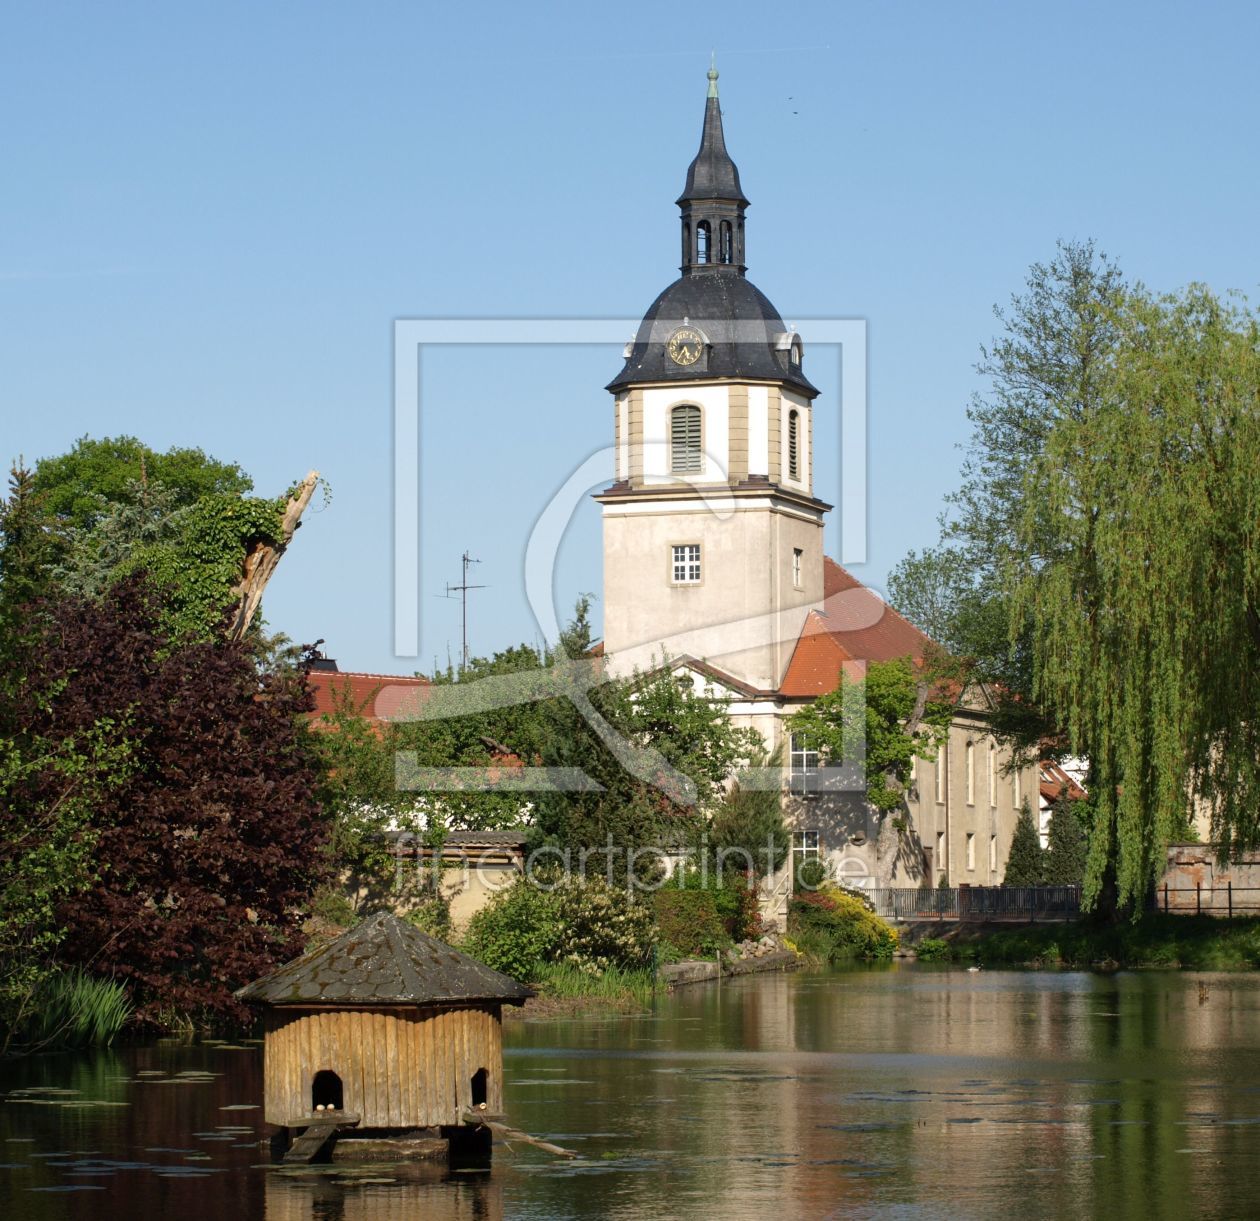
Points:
[74,1009]
[616,984]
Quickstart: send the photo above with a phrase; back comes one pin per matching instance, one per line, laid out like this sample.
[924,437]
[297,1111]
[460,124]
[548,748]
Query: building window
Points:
[940,774]
[1015,786]
[993,854]
[803,765]
[798,557]
[724,242]
[687,564]
[794,462]
[971,773]
[703,234]
[804,848]
[685,454]
[971,850]
[992,774]
[686,242]
[940,850]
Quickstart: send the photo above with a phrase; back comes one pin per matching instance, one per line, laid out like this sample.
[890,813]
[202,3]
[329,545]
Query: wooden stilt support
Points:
[478,1119]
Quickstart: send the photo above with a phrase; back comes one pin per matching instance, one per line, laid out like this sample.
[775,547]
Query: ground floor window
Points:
[804,848]
[971,850]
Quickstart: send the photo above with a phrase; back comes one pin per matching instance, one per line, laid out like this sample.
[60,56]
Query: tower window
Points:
[686,242]
[797,556]
[703,234]
[686,565]
[794,448]
[724,242]
[685,454]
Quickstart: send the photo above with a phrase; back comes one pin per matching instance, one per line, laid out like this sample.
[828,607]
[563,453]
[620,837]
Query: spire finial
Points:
[713,74]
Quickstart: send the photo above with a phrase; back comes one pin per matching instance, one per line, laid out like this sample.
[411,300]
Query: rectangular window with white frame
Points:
[803,765]
[971,773]
[805,847]
[993,854]
[1015,789]
[940,851]
[992,774]
[940,774]
[971,850]
[798,558]
[686,564]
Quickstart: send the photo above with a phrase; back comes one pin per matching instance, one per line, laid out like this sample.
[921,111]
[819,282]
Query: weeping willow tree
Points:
[1140,577]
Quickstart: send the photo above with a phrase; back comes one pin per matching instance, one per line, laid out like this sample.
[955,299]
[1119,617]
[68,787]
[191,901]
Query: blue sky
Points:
[212,214]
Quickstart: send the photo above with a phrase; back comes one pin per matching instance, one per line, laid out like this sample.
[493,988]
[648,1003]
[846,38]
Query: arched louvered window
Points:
[703,234]
[685,455]
[724,242]
[794,445]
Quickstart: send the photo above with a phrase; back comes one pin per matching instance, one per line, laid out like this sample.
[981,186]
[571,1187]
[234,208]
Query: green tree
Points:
[893,715]
[1137,570]
[1067,848]
[1025,866]
[748,823]
[79,486]
[1048,365]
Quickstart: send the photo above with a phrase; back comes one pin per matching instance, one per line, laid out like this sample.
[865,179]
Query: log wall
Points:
[400,1067]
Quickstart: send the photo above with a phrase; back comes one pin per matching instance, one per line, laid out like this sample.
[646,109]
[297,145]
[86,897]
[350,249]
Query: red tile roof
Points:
[1054,782]
[855,626]
[377,697]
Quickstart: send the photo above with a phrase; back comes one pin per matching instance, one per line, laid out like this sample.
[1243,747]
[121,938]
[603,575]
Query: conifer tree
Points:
[1026,864]
[1067,850]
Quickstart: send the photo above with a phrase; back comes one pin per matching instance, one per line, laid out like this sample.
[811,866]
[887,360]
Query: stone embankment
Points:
[749,957]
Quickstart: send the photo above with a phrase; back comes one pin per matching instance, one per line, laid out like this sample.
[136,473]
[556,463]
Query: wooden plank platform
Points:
[317,1131]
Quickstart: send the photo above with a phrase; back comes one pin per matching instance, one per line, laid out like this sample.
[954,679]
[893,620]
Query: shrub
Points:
[515,930]
[811,873]
[689,922]
[582,922]
[833,924]
[932,949]
[601,926]
[734,894]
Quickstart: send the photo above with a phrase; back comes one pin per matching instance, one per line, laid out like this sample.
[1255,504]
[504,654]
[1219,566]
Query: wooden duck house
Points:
[385,1026]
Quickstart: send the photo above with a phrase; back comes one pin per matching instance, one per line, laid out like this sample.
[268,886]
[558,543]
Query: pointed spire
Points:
[713,74]
[712,175]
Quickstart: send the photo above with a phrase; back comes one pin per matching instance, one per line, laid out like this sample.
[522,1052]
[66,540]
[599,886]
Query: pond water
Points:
[909,1091]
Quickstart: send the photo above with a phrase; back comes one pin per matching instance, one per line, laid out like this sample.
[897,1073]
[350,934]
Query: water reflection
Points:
[917,1091]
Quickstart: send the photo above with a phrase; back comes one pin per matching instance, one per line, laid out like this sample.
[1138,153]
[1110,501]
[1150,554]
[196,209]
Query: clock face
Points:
[685,345]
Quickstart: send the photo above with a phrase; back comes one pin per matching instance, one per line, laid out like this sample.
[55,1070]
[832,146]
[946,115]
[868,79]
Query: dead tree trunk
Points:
[261,559]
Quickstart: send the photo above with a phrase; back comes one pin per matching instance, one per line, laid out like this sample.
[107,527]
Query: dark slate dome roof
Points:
[741,325]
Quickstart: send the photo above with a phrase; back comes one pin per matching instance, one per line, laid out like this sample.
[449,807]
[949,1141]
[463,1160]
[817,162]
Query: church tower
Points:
[713,538]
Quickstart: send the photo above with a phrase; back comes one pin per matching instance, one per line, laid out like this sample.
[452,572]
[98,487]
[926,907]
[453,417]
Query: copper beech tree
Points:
[207,849]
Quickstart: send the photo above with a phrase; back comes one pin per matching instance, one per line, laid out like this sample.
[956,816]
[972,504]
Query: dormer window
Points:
[686,455]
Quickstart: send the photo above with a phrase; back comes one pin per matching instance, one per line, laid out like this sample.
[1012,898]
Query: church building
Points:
[714,559]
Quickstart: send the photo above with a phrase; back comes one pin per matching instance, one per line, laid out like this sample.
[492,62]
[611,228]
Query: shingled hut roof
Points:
[384,961]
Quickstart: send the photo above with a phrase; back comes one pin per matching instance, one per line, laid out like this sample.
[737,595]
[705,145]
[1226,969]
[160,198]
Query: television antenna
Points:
[462,589]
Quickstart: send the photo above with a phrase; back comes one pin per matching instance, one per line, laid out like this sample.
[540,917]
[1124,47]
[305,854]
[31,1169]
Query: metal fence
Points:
[1219,899]
[1014,903]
